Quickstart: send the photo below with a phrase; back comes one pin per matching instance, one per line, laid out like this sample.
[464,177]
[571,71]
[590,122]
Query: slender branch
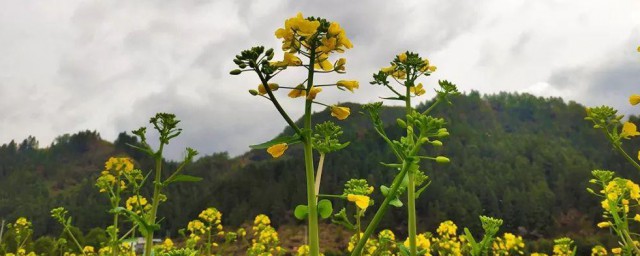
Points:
[277,105]
[319,174]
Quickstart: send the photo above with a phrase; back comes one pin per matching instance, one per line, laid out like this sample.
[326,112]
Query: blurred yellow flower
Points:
[388,70]
[339,65]
[634,99]
[289,59]
[277,150]
[299,91]
[348,84]
[604,224]
[361,201]
[402,57]
[417,90]
[629,130]
[262,90]
[313,92]
[340,112]
[322,62]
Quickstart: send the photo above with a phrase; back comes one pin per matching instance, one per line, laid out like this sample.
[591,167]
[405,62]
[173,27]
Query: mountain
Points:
[518,157]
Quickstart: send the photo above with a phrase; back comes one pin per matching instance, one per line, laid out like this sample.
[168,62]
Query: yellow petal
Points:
[277,150]
[340,112]
[299,91]
[361,201]
[629,130]
[634,99]
[402,57]
[313,92]
[348,84]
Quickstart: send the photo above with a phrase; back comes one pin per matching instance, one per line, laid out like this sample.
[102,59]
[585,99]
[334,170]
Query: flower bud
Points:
[436,143]
[401,123]
[235,72]
[442,160]
[253,92]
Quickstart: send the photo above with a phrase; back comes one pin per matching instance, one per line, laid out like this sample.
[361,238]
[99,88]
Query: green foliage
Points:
[516,157]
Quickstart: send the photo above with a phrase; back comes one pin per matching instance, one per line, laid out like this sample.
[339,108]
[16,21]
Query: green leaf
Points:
[301,212]
[143,225]
[183,178]
[396,202]
[286,139]
[384,189]
[403,249]
[419,192]
[325,208]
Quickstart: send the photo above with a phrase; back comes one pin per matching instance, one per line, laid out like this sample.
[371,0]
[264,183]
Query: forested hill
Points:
[514,156]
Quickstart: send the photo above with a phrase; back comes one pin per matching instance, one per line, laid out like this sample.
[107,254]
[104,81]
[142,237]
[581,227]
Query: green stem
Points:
[275,102]
[411,187]
[397,181]
[114,240]
[157,187]
[314,241]
[319,174]
[209,240]
[426,112]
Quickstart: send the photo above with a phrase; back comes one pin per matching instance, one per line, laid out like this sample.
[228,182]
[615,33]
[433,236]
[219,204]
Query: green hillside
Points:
[518,157]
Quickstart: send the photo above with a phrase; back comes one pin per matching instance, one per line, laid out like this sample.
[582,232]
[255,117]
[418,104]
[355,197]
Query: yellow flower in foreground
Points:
[312,93]
[289,60]
[604,224]
[322,62]
[303,26]
[339,65]
[262,90]
[340,112]
[616,251]
[638,155]
[348,84]
[88,249]
[417,90]
[299,91]
[634,99]
[388,70]
[277,150]
[629,130]
[167,244]
[361,201]
[402,57]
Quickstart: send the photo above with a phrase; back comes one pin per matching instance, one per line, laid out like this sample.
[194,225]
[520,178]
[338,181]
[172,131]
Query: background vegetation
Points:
[521,158]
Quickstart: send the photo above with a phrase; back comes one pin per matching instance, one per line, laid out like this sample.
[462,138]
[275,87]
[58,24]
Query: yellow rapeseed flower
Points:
[629,130]
[323,63]
[417,90]
[339,65]
[289,59]
[88,249]
[277,150]
[388,70]
[634,99]
[313,92]
[303,26]
[616,251]
[348,84]
[361,201]
[402,57]
[604,224]
[167,244]
[262,90]
[340,112]
[299,91]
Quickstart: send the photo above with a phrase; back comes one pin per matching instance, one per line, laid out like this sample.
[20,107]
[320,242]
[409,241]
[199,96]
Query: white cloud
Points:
[110,65]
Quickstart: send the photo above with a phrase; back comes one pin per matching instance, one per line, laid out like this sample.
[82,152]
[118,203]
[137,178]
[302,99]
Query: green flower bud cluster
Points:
[357,187]
[325,139]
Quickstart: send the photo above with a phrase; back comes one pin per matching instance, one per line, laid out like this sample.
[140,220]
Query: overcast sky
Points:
[67,66]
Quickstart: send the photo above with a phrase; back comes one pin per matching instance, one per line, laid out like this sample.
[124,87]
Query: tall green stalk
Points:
[157,186]
[314,240]
[411,186]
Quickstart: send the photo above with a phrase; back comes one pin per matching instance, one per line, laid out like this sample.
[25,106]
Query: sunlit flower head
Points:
[348,84]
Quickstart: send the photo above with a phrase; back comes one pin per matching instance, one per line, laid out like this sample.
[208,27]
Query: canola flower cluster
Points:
[508,244]
[265,239]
